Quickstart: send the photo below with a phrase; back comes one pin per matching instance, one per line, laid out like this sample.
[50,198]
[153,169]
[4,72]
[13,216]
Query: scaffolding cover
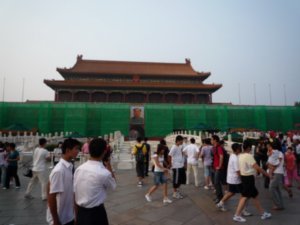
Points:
[96,119]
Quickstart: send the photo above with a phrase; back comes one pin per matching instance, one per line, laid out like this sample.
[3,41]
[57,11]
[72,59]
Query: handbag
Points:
[28,173]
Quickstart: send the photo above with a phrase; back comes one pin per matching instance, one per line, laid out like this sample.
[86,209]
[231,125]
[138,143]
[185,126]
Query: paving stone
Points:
[127,205]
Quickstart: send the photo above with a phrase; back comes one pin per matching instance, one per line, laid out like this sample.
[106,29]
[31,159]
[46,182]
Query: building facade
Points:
[132,82]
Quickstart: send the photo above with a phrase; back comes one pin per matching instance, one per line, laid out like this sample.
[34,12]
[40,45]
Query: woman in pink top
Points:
[85,147]
[291,168]
[85,150]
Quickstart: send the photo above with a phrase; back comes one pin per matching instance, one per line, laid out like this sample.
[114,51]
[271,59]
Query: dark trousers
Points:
[179,177]
[140,169]
[92,216]
[146,167]
[218,181]
[12,171]
[262,162]
[70,223]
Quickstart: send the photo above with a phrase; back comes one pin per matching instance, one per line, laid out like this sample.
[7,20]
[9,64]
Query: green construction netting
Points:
[158,120]
[91,119]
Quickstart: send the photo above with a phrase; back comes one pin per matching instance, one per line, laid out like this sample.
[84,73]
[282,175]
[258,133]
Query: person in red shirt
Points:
[291,168]
[218,166]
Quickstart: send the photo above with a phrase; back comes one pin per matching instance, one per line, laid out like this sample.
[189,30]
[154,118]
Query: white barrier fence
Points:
[27,142]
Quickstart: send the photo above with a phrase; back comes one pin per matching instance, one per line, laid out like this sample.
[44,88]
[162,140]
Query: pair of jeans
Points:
[219,180]
[12,171]
[276,184]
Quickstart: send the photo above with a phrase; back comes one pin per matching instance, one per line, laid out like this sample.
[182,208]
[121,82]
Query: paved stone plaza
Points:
[127,206]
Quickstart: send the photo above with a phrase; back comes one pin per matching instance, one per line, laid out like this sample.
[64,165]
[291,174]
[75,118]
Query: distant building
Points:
[132,82]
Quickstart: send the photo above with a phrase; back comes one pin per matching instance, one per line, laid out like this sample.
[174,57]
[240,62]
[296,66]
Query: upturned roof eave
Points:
[71,73]
[96,84]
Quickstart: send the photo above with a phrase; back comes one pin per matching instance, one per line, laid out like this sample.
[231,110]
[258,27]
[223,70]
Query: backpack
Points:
[225,158]
[139,156]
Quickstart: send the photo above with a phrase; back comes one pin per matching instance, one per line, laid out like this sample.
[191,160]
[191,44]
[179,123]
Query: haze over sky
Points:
[242,43]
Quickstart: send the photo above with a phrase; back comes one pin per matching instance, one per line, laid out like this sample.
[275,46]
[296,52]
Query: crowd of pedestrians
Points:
[276,158]
[79,196]
[70,196]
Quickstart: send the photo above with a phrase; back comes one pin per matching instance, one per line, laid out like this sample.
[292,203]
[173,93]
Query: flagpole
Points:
[23,84]
[240,93]
[254,90]
[3,93]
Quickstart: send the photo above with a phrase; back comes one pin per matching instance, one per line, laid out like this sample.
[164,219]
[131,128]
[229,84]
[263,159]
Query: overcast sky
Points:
[252,44]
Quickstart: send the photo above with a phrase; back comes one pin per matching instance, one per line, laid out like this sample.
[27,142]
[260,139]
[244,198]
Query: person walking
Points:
[139,151]
[3,165]
[177,163]
[147,156]
[192,153]
[159,176]
[57,152]
[92,180]
[276,174]
[248,168]
[12,166]
[60,209]
[233,179]
[85,149]
[206,153]
[39,169]
[219,168]
[291,168]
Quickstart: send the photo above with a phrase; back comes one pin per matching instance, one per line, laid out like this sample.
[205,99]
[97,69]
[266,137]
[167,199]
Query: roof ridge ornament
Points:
[79,57]
[188,61]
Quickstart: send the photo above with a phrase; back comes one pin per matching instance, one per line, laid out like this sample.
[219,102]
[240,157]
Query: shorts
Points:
[248,187]
[140,170]
[207,171]
[179,176]
[159,178]
[235,188]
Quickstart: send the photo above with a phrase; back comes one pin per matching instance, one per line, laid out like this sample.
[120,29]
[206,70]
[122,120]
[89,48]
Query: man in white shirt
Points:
[92,180]
[276,183]
[177,162]
[233,179]
[192,153]
[40,157]
[60,209]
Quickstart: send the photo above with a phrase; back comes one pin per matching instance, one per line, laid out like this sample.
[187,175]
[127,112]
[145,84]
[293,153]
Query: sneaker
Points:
[177,195]
[140,184]
[216,200]
[206,187]
[148,198]
[179,191]
[221,206]
[167,200]
[28,196]
[239,219]
[246,213]
[17,187]
[180,195]
[266,215]
[4,188]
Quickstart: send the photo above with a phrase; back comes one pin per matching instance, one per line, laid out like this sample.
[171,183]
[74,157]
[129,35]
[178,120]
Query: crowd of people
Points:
[79,195]
[71,195]
[276,157]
